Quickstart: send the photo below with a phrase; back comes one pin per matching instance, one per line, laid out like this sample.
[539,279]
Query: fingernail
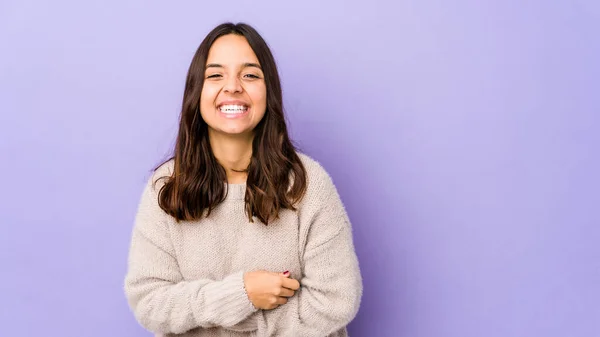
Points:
[286,272]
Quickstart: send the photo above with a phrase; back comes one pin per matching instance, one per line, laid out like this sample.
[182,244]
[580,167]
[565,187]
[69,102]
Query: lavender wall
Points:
[463,136]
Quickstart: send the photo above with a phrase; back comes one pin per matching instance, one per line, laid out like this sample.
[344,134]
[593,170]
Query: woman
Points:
[238,234]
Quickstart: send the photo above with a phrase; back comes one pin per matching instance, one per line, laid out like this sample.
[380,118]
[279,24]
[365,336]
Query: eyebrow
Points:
[244,65]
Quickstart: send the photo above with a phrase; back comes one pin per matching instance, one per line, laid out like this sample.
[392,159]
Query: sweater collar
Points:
[235,191]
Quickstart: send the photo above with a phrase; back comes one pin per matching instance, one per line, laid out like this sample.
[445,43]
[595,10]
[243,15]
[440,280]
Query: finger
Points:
[286,273]
[281,300]
[284,292]
[290,283]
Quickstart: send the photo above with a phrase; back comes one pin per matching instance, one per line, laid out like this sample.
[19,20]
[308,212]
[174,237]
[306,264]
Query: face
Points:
[234,95]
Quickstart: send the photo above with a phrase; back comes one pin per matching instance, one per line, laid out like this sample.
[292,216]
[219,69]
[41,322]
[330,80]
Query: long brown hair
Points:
[276,177]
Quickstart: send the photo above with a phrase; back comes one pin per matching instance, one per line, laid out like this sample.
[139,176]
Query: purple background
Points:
[463,137]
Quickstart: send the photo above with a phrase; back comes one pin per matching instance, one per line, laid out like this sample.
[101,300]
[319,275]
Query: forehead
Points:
[231,50]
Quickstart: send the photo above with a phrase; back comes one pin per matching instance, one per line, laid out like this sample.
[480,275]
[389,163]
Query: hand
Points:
[267,290]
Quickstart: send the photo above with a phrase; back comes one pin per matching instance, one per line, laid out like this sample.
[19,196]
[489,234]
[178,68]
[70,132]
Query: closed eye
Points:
[252,76]
[214,76]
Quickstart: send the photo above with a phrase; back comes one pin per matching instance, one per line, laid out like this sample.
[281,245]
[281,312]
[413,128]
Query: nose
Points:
[233,85]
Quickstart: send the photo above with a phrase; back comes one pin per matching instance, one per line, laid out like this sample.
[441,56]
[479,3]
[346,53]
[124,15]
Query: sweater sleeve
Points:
[162,301]
[331,283]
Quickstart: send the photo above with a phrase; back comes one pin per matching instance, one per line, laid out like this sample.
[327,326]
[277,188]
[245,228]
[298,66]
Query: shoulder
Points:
[319,182]
[166,169]
[149,213]
[314,169]
[160,174]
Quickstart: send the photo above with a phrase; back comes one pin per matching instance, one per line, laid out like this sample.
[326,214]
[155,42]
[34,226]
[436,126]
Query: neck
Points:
[233,153]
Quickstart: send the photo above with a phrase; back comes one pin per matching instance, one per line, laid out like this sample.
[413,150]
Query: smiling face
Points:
[234,95]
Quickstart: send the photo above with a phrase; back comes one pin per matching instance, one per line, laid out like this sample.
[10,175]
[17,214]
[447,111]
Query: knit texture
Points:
[186,278]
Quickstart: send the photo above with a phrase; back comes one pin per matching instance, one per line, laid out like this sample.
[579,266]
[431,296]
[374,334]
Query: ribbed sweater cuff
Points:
[231,300]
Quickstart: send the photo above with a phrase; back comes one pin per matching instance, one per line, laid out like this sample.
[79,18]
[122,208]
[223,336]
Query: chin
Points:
[236,132]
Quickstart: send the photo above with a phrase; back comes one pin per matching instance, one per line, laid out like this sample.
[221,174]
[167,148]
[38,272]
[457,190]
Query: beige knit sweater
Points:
[186,279]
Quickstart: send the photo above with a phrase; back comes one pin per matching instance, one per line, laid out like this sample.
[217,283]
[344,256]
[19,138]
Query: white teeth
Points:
[233,109]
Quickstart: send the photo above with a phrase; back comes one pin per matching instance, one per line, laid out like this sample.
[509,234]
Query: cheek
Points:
[207,103]
[258,95]
[208,95]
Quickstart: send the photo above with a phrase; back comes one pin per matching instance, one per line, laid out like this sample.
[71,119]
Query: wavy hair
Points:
[276,177]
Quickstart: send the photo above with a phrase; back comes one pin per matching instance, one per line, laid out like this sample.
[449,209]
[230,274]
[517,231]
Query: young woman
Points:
[239,234]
